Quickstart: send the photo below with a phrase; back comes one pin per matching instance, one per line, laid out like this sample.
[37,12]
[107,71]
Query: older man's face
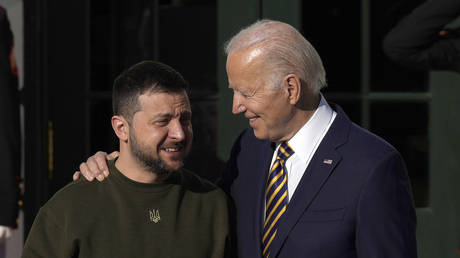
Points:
[268,110]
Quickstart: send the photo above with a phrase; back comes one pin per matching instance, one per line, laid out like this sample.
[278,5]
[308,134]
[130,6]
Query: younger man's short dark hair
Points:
[145,76]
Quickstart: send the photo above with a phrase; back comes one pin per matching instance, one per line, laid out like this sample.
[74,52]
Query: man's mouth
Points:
[174,148]
[252,120]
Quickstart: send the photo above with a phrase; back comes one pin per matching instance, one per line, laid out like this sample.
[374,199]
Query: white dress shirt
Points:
[305,142]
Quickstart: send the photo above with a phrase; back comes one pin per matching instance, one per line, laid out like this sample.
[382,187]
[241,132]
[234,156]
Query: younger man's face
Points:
[160,134]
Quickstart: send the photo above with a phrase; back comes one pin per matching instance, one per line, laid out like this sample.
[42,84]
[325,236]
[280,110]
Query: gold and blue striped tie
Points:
[276,197]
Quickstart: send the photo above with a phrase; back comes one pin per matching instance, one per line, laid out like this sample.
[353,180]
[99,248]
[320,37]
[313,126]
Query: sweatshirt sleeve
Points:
[47,238]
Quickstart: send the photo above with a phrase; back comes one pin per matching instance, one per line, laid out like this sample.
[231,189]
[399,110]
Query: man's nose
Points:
[237,106]
[176,130]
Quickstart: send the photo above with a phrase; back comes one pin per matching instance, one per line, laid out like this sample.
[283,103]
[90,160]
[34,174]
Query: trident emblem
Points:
[154,215]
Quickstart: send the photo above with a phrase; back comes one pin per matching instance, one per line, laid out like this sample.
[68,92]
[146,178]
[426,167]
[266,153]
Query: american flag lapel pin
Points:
[327,161]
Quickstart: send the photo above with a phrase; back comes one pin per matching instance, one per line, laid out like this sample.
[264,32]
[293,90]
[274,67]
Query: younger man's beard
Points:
[154,165]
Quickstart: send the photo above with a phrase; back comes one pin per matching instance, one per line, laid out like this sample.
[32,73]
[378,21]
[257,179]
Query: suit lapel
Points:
[315,176]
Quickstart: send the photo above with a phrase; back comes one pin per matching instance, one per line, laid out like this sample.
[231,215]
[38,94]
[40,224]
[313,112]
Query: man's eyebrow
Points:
[162,115]
[168,115]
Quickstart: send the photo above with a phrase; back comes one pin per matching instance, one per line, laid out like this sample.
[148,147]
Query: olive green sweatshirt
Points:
[184,216]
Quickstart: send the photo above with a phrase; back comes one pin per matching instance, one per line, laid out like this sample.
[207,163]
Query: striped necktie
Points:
[276,197]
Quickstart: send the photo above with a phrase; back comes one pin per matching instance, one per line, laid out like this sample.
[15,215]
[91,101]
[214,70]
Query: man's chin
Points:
[174,166]
[161,168]
[173,161]
[259,134]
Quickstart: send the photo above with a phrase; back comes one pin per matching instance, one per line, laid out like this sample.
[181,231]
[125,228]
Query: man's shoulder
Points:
[365,149]
[355,134]
[75,194]
[366,139]
[354,140]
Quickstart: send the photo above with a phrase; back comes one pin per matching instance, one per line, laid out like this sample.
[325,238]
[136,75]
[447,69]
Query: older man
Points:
[306,181]
[150,206]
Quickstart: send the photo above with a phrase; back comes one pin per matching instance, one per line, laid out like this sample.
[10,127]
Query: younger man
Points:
[150,206]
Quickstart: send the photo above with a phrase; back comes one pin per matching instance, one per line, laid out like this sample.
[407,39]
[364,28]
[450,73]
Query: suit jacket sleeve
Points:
[386,217]
[415,42]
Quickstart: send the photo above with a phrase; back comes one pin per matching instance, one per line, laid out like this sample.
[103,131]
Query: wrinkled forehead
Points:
[164,101]
[246,69]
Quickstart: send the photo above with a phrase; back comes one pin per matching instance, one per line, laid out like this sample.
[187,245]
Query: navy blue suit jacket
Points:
[358,205]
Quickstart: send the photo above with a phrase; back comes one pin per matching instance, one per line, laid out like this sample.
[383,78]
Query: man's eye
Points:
[162,122]
[244,94]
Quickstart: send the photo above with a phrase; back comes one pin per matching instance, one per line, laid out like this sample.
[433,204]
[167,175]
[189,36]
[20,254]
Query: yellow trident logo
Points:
[154,215]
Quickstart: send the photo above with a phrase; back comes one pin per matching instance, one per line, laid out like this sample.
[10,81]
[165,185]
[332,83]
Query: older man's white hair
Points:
[284,50]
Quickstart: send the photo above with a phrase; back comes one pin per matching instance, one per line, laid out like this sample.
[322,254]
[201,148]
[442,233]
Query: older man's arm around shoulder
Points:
[96,166]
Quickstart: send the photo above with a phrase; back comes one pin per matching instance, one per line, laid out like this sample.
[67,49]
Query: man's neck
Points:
[129,166]
[298,121]
[303,113]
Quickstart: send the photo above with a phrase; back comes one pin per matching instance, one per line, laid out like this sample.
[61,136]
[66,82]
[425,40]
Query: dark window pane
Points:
[385,74]
[351,107]
[405,126]
[113,41]
[334,29]
[100,75]
[203,158]
[188,42]
[102,136]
